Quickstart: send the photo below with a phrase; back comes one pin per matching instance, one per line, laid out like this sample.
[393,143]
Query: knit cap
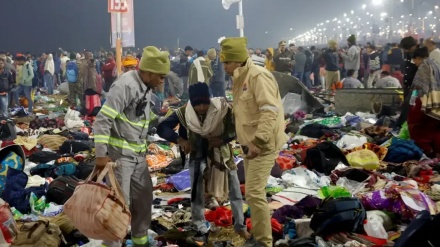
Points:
[155,61]
[199,94]
[234,50]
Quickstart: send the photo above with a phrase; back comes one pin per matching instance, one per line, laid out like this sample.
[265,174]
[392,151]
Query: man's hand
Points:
[3,94]
[184,144]
[215,142]
[253,151]
[101,162]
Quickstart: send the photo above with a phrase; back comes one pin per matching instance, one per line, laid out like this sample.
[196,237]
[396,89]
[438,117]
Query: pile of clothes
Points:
[350,171]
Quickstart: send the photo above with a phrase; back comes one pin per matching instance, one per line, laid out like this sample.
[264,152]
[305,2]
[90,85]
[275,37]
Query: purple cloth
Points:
[306,206]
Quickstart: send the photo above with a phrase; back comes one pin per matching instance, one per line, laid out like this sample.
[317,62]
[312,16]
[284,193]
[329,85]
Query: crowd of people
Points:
[207,122]
[360,66]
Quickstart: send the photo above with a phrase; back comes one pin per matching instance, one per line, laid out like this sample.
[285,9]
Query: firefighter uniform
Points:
[120,133]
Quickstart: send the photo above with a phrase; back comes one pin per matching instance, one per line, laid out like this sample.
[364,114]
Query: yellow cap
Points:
[234,50]
[155,61]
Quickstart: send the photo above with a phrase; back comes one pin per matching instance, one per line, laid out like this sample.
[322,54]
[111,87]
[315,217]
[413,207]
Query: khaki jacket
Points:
[258,110]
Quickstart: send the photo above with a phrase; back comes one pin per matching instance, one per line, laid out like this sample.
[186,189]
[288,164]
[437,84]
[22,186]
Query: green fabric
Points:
[155,61]
[234,50]
[404,132]
[207,73]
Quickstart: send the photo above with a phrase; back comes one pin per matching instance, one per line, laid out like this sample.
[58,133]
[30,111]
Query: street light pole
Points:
[119,42]
[241,18]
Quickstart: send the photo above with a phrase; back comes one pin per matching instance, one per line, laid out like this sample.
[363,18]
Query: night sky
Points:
[45,25]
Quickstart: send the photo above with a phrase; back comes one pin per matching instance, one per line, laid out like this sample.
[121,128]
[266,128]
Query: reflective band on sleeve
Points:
[140,241]
[269,108]
[152,115]
[110,111]
[107,113]
[143,123]
[101,138]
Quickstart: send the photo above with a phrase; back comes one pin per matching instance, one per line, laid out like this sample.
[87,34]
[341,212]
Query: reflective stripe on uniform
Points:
[152,115]
[140,241]
[109,112]
[120,143]
[269,108]
[101,138]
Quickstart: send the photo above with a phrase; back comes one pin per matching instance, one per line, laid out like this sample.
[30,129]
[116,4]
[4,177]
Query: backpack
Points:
[72,72]
[421,232]
[347,213]
[7,129]
[324,157]
[61,189]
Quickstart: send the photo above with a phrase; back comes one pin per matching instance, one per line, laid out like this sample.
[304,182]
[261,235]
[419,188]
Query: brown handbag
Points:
[38,233]
[97,210]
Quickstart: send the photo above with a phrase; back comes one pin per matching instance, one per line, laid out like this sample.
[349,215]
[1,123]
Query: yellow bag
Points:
[33,94]
[364,159]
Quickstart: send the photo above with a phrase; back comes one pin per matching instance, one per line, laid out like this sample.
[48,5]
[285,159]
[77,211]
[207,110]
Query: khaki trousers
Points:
[257,172]
[331,78]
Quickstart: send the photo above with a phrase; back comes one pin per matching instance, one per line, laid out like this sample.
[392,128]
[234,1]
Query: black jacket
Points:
[184,65]
[395,56]
[5,81]
[331,60]
[410,70]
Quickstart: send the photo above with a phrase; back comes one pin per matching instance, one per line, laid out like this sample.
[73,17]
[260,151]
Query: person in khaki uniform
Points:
[259,123]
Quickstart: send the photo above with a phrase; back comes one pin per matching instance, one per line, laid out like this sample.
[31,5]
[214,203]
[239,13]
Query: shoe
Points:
[223,244]
[252,242]
[212,203]
[198,240]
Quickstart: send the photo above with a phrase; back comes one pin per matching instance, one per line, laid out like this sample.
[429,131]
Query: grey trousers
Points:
[184,84]
[175,85]
[198,205]
[134,177]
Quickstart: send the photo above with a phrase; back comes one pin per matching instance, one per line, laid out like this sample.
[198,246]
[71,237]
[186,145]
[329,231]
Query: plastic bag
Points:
[181,181]
[292,102]
[8,226]
[333,191]
[37,204]
[352,186]
[404,132]
[365,159]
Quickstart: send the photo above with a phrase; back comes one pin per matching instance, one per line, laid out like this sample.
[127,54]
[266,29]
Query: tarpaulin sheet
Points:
[289,84]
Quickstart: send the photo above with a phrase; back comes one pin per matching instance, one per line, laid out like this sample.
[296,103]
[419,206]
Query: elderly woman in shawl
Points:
[206,128]
[424,116]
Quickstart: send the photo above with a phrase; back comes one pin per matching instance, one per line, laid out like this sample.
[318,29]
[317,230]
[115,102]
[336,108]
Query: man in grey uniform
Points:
[120,135]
